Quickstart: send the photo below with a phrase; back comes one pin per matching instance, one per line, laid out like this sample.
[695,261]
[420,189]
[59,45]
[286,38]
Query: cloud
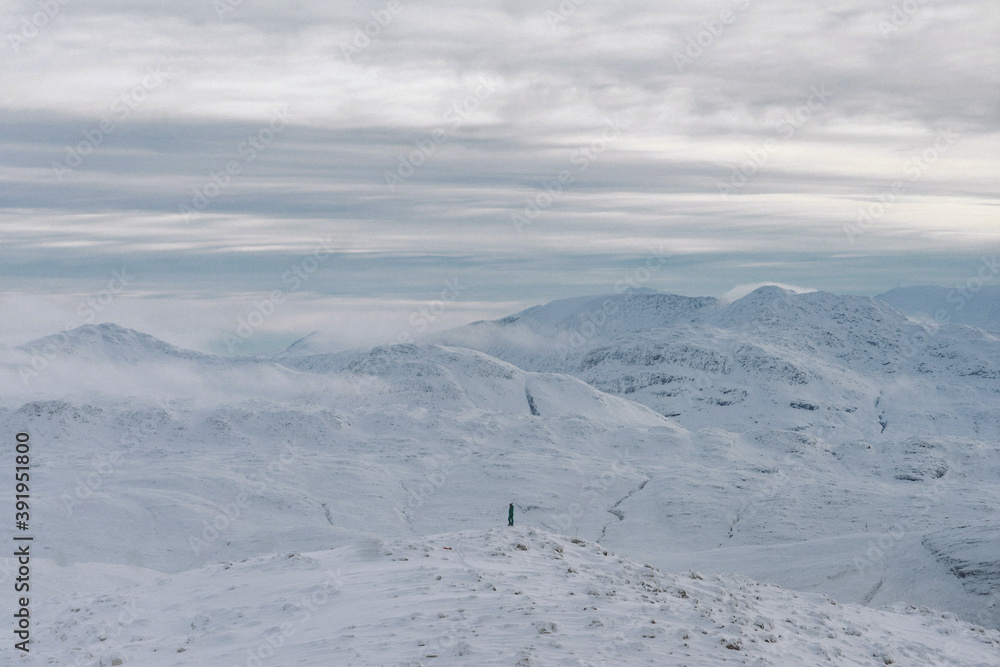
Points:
[249,323]
[142,135]
[741,291]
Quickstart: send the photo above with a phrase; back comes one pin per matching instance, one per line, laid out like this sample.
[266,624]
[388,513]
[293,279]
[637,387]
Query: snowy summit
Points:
[787,478]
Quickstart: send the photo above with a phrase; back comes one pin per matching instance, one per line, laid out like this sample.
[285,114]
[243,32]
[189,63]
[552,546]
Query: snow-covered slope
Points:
[823,411]
[304,458]
[439,376]
[109,342]
[487,597]
[861,462]
[542,337]
[840,367]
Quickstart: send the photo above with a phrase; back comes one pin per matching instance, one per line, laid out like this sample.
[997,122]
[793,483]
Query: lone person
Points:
[510,515]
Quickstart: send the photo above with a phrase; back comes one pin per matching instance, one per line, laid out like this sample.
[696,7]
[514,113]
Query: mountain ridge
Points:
[826,444]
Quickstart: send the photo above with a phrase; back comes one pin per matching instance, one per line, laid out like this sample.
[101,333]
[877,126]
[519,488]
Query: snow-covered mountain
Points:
[328,454]
[485,597]
[109,342]
[436,376]
[543,337]
[838,402]
[823,443]
[828,364]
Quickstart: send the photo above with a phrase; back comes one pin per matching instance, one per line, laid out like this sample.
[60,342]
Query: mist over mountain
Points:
[826,444]
[816,361]
[109,342]
[976,305]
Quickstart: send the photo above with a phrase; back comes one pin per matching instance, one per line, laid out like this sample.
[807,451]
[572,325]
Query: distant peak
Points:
[104,330]
[109,327]
[762,289]
[109,341]
[303,345]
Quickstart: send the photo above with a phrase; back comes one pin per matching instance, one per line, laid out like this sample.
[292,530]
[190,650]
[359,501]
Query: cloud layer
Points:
[538,150]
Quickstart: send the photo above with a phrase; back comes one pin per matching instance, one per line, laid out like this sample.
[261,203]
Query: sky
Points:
[374,170]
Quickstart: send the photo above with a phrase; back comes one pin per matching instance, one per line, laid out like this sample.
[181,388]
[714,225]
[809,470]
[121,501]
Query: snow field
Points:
[500,596]
[193,509]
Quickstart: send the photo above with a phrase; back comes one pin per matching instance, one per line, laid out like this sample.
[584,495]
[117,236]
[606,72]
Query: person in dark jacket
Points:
[510,515]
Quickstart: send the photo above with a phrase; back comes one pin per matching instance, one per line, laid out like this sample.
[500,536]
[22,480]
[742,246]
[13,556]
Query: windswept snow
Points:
[832,417]
[192,505]
[516,596]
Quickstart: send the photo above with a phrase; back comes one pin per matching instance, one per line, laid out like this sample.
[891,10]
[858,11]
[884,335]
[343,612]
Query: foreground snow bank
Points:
[512,596]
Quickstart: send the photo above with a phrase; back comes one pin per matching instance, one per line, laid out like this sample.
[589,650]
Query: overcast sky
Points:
[361,161]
